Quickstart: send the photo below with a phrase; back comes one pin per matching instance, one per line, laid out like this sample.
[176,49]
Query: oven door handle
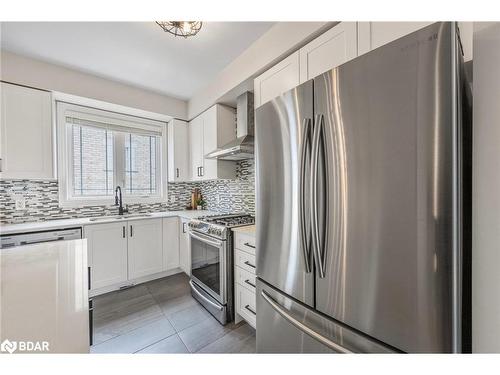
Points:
[220,308]
[206,240]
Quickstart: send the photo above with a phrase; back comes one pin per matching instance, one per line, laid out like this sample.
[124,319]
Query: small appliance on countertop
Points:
[212,262]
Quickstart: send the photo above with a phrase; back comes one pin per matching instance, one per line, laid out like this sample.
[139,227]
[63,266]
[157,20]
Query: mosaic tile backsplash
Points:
[42,198]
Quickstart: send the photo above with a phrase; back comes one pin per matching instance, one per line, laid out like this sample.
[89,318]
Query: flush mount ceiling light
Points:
[181,28]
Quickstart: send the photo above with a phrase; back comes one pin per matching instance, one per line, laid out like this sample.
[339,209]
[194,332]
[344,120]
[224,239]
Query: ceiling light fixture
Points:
[181,28]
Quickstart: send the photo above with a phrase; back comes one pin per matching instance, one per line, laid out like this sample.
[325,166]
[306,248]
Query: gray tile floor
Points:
[162,317]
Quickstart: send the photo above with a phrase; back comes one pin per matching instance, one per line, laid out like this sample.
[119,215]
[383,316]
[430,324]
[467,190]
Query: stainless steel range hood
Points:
[242,147]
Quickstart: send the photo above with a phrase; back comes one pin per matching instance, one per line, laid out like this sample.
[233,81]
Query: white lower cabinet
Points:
[245,304]
[130,252]
[171,251]
[107,253]
[244,278]
[184,247]
[145,247]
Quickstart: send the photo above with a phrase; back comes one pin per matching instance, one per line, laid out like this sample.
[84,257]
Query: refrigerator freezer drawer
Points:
[286,326]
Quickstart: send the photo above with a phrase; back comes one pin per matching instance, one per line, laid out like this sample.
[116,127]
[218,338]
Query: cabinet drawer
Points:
[245,278]
[245,261]
[245,242]
[245,304]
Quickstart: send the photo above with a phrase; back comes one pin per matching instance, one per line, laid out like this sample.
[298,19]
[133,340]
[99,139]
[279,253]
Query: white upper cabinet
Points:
[170,243]
[331,49]
[372,35]
[196,147]
[178,151]
[212,129]
[145,247]
[280,78]
[26,133]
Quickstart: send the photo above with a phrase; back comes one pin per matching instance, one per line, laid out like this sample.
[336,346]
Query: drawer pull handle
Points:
[249,245]
[249,309]
[249,264]
[249,283]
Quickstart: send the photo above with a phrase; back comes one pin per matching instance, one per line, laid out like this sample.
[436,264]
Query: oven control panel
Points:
[207,228]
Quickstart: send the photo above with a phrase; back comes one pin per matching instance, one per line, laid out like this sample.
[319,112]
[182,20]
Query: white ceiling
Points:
[136,53]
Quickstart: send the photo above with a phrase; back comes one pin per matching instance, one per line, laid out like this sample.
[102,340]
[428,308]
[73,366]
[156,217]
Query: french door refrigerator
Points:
[362,179]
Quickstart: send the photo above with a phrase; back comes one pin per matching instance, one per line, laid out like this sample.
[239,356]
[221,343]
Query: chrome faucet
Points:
[119,202]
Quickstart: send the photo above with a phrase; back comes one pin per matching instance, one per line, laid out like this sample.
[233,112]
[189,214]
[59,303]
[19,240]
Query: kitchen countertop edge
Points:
[8,229]
[247,229]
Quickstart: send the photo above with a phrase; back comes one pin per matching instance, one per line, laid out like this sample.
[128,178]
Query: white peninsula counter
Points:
[44,297]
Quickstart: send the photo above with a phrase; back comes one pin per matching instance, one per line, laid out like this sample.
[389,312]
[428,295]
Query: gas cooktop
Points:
[218,225]
[229,221]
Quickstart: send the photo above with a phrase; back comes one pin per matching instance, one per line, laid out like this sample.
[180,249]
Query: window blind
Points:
[146,127]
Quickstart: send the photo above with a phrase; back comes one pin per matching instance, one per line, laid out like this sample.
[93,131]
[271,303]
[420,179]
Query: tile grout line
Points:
[142,326]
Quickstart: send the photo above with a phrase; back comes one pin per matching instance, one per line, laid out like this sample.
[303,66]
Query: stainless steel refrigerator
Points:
[362,208]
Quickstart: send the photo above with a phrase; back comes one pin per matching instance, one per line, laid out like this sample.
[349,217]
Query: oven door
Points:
[208,264]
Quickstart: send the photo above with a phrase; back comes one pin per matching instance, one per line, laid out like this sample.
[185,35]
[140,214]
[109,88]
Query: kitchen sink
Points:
[119,217]
[103,218]
[135,216]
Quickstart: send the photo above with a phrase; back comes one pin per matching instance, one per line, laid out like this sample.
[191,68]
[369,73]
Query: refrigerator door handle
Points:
[305,232]
[302,327]
[318,135]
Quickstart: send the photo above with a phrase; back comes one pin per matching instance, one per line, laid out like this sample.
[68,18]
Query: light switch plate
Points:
[20,203]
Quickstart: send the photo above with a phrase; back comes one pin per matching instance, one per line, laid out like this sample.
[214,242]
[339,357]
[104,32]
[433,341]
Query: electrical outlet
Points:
[20,203]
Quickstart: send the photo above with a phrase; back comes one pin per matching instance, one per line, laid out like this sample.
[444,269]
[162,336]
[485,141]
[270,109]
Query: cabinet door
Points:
[332,48]
[178,151]
[170,243]
[277,80]
[184,247]
[25,132]
[107,253]
[145,248]
[196,139]
[372,35]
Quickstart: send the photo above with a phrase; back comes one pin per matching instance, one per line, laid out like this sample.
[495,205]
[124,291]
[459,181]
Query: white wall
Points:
[30,72]
[486,190]
[281,39]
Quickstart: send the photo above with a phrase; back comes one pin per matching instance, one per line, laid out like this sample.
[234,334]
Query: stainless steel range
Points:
[212,262]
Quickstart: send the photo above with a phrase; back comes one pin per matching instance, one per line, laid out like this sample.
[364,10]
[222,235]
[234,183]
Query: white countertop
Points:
[67,223]
[248,229]
[44,295]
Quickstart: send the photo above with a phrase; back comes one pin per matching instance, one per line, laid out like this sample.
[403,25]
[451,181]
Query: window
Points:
[92,161]
[99,150]
[140,164]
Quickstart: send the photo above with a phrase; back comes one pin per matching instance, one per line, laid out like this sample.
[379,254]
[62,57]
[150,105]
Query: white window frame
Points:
[65,157]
